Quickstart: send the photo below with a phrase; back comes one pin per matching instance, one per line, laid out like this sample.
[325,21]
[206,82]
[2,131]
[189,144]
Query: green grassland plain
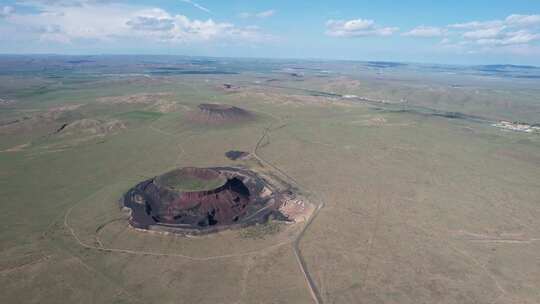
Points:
[418,208]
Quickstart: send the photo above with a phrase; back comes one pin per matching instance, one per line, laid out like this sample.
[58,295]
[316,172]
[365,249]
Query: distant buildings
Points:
[517,126]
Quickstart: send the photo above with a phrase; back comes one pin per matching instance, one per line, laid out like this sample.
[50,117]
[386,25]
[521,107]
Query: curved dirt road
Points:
[314,291]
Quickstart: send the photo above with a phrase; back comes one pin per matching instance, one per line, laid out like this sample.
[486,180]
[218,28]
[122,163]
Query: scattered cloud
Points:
[523,20]
[474,25]
[145,23]
[513,30]
[198,6]
[515,33]
[518,37]
[263,14]
[425,32]
[484,33]
[158,23]
[6,11]
[120,22]
[49,3]
[445,41]
[357,28]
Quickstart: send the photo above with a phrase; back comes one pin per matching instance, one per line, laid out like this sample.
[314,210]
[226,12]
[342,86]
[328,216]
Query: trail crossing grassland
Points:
[314,291]
[295,243]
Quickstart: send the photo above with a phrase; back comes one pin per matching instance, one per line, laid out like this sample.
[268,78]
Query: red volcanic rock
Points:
[224,205]
[239,200]
[210,113]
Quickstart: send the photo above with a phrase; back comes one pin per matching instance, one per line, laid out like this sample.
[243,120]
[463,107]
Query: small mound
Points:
[211,113]
[90,127]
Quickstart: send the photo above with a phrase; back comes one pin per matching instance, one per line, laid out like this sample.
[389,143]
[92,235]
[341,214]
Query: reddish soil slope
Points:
[209,113]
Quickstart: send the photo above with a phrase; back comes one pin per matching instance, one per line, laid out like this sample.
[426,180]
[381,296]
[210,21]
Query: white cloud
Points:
[189,30]
[512,38]
[513,33]
[145,23]
[159,23]
[425,32]
[445,41]
[474,25]
[74,22]
[357,28]
[484,33]
[51,3]
[263,14]
[523,20]
[521,37]
[68,23]
[6,11]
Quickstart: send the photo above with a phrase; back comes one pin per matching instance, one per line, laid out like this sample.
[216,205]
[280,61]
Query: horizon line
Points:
[274,58]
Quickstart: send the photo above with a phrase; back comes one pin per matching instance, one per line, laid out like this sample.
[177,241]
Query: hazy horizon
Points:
[307,59]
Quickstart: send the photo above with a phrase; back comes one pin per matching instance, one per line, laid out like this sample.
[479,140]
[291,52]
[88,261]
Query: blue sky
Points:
[467,32]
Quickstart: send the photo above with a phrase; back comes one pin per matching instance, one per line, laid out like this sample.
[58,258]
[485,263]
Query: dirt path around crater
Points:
[314,292]
[313,289]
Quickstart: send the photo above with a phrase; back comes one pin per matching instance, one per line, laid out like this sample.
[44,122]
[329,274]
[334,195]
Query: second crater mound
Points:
[213,113]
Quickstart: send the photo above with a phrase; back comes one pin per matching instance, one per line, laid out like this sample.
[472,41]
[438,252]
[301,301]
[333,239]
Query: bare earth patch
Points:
[17,148]
[92,127]
[296,209]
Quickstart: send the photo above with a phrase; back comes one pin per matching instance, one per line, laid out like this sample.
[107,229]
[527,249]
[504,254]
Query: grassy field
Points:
[418,208]
[183,181]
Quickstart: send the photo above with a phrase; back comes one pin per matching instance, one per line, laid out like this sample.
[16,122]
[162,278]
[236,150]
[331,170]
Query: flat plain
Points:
[421,199]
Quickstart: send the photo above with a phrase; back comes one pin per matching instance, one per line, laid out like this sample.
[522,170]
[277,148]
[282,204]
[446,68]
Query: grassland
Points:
[418,208]
[182,181]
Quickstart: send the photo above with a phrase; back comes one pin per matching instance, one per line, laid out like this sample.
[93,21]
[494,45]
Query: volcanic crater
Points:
[213,113]
[200,200]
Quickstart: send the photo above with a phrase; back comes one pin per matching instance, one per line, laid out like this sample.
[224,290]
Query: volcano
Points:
[212,113]
[202,200]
